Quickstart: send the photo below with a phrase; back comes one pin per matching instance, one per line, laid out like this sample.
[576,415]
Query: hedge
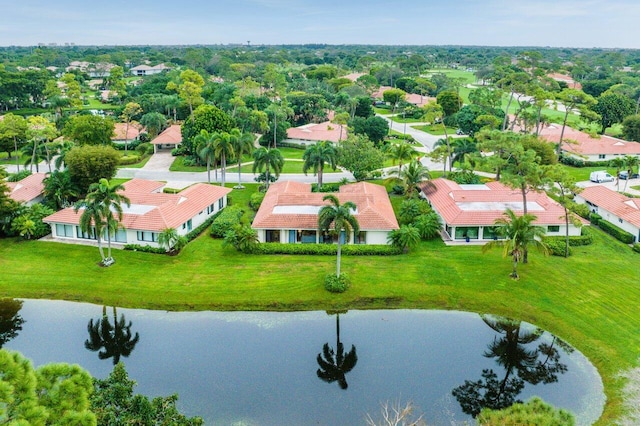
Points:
[229,217]
[595,218]
[129,159]
[326,249]
[556,246]
[616,232]
[636,247]
[145,249]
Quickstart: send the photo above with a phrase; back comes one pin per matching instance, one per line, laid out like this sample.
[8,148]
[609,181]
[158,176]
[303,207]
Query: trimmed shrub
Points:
[144,148]
[616,232]
[256,200]
[581,210]
[595,218]
[636,247]
[229,217]
[335,284]
[131,158]
[326,249]
[145,249]
[200,229]
[556,246]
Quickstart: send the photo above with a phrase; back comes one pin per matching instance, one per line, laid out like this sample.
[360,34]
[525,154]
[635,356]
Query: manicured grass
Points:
[4,158]
[290,166]
[382,111]
[119,181]
[582,173]
[590,299]
[137,165]
[636,187]
[178,166]
[399,119]
[436,129]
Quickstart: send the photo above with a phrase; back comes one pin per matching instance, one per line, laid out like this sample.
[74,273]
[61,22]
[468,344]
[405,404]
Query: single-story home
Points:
[28,190]
[470,211]
[151,211]
[289,214]
[121,133]
[583,146]
[411,98]
[571,83]
[615,208]
[142,70]
[312,133]
[170,138]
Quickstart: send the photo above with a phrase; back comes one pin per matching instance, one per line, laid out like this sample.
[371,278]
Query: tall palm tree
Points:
[205,146]
[631,162]
[338,218]
[62,149]
[223,147]
[619,164]
[101,203]
[115,340]
[334,365]
[462,148]
[241,146]
[411,176]
[316,156]
[401,152]
[519,233]
[267,159]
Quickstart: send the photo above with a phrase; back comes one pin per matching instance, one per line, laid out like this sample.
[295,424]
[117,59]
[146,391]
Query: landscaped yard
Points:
[436,129]
[589,300]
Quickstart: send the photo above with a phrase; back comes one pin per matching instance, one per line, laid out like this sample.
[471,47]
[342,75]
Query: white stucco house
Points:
[470,211]
[289,214]
[615,208]
[144,70]
[151,211]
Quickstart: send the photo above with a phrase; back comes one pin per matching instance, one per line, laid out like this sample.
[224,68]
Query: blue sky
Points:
[571,23]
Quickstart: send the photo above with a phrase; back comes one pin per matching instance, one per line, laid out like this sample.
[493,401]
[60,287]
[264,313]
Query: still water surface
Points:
[314,368]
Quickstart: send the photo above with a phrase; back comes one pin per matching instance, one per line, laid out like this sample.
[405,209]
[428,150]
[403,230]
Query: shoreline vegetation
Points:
[583,300]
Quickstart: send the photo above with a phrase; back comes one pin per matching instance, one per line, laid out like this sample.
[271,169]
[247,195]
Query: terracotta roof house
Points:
[583,146]
[615,208]
[312,133]
[170,138]
[142,70]
[28,190]
[289,214]
[412,98]
[470,211]
[354,76]
[121,133]
[150,212]
[571,83]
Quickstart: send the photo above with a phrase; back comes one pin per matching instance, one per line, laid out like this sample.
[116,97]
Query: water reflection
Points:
[513,351]
[111,340]
[334,365]
[10,321]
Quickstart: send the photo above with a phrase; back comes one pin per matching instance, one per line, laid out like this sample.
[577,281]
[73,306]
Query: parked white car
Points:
[601,176]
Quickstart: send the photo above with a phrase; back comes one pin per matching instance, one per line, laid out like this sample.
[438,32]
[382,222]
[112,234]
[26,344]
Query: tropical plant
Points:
[619,164]
[338,219]
[316,156]
[170,240]
[241,146]
[334,365]
[412,175]
[112,340]
[405,238]
[242,237]
[564,188]
[223,144]
[268,159]
[400,152]
[59,189]
[519,233]
[205,146]
[429,225]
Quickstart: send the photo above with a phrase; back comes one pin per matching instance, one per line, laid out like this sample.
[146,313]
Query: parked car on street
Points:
[625,175]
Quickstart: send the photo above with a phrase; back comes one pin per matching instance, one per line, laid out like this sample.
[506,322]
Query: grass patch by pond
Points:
[589,299]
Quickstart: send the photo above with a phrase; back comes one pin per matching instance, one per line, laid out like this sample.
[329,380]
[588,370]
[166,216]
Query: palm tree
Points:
[401,152]
[205,146]
[412,175]
[100,204]
[36,154]
[445,144]
[340,218]
[169,239]
[463,148]
[241,146]
[405,237]
[115,340]
[268,158]
[62,150]
[519,234]
[619,164]
[316,156]
[59,188]
[631,162]
[223,147]
[334,365]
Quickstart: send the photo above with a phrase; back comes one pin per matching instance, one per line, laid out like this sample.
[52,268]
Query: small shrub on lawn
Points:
[335,284]
[229,217]
[129,159]
[556,246]
[145,249]
[636,247]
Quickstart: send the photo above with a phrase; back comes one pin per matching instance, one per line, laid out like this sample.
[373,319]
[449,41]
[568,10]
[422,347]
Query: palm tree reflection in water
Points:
[113,341]
[334,365]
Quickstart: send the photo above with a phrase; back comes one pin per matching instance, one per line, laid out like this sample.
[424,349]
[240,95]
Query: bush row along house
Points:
[151,211]
[469,212]
[615,208]
[289,214]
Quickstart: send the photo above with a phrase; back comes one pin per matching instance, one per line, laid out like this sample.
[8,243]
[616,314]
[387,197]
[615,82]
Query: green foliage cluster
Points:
[229,218]
[29,223]
[326,249]
[534,412]
[256,200]
[18,176]
[577,162]
[195,233]
[88,164]
[616,232]
[145,248]
[417,213]
[242,237]
[129,159]
[464,177]
[359,155]
[335,284]
[326,187]
[205,117]
[557,246]
[636,247]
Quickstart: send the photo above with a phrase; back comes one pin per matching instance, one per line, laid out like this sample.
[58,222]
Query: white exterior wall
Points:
[612,218]
[373,237]
[573,231]
[596,157]
[377,237]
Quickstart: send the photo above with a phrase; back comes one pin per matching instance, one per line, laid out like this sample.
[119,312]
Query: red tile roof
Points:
[170,135]
[121,129]
[353,76]
[587,145]
[298,206]
[571,83]
[326,131]
[155,211]
[482,204]
[622,206]
[28,188]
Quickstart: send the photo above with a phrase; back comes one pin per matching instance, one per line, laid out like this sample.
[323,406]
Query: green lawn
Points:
[582,173]
[290,166]
[590,299]
[382,111]
[4,158]
[399,119]
[436,129]
[636,187]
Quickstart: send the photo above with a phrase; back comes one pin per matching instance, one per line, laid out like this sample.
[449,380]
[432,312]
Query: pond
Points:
[313,368]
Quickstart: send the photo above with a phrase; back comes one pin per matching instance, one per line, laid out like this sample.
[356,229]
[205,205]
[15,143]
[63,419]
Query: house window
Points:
[147,236]
[360,238]
[327,237]
[272,236]
[307,236]
[553,228]
[464,232]
[189,225]
[64,230]
[292,236]
[601,156]
[220,203]
[211,208]
[121,236]
[86,235]
[490,233]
